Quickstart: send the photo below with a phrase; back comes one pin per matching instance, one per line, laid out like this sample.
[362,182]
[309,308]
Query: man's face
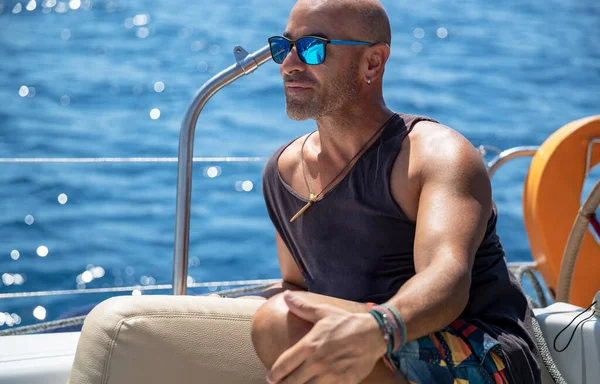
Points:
[313,91]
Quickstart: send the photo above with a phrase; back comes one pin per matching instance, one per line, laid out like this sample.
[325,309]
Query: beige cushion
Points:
[168,339]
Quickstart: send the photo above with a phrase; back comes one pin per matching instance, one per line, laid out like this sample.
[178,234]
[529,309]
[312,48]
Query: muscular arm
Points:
[454,205]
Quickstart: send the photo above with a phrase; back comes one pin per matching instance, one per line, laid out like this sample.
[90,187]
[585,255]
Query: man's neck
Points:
[344,133]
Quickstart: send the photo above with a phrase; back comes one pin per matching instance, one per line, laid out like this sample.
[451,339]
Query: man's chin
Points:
[299,113]
[296,116]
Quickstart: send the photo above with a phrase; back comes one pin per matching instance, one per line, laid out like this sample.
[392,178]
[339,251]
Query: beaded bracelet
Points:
[387,327]
[388,334]
[400,325]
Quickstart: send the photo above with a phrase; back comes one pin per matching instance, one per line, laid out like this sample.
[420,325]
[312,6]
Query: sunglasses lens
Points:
[311,50]
[279,49]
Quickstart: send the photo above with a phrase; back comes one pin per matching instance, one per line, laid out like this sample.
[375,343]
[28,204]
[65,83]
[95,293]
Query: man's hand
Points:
[342,347]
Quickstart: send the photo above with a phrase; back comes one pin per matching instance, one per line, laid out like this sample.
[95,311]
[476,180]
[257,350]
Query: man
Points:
[379,207]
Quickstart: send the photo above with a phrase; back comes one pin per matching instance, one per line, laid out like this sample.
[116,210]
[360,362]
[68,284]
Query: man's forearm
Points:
[432,299]
[274,290]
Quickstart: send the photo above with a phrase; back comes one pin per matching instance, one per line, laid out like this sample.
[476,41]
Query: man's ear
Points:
[376,57]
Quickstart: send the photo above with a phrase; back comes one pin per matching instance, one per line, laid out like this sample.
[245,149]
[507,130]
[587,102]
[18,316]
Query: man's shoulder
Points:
[284,160]
[436,147]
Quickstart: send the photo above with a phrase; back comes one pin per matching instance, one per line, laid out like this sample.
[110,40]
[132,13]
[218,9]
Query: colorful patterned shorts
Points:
[460,353]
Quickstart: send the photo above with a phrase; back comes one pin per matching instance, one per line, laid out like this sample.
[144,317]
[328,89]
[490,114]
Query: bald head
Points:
[366,20]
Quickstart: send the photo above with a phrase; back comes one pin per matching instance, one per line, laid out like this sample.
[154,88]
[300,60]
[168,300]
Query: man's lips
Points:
[296,88]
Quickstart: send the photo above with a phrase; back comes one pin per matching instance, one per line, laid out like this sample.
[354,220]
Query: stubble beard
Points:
[337,93]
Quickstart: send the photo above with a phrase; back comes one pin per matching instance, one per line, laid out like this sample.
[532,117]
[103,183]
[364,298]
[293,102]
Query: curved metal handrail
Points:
[245,64]
[580,228]
[509,154]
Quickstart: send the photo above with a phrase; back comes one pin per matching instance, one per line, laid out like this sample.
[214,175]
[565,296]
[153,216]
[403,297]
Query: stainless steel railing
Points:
[245,64]
[508,155]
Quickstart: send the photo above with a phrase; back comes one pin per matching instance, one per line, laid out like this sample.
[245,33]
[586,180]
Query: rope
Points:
[594,223]
[526,270]
[578,232]
[78,320]
[125,159]
[544,350]
[42,327]
[132,288]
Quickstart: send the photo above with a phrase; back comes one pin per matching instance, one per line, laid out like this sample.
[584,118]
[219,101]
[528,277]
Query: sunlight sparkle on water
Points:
[97,272]
[42,251]
[155,113]
[31,5]
[39,312]
[247,186]
[147,280]
[23,91]
[416,47]
[61,7]
[139,20]
[31,91]
[14,254]
[159,86]
[29,219]
[65,100]
[142,33]
[442,33]
[136,292]
[49,3]
[75,4]
[18,8]
[213,172]
[128,23]
[19,279]
[197,45]
[203,66]
[419,33]
[8,279]
[16,318]
[63,198]
[87,277]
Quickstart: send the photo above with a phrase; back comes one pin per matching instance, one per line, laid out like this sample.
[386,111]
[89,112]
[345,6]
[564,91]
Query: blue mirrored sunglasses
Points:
[311,49]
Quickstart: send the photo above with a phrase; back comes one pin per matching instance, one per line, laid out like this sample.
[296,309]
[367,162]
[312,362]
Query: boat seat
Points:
[164,339]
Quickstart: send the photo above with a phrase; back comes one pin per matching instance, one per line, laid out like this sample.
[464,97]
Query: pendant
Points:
[312,200]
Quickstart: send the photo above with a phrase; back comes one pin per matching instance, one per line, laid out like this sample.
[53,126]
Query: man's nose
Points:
[292,62]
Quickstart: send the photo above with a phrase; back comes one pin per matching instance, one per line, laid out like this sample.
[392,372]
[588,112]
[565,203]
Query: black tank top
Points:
[357,244]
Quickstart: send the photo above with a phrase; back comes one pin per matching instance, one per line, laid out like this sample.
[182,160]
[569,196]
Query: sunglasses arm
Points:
[245,64]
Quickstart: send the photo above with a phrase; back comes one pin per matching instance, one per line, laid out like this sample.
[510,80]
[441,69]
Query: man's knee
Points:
[268,315]
[274,330]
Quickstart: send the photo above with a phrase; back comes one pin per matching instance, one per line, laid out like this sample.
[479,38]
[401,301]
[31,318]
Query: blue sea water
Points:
[85,79]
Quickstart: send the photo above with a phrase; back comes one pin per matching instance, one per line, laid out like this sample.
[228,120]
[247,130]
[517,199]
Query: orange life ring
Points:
[551,201]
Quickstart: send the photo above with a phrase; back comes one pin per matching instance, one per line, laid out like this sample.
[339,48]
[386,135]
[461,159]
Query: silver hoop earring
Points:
[369,80]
